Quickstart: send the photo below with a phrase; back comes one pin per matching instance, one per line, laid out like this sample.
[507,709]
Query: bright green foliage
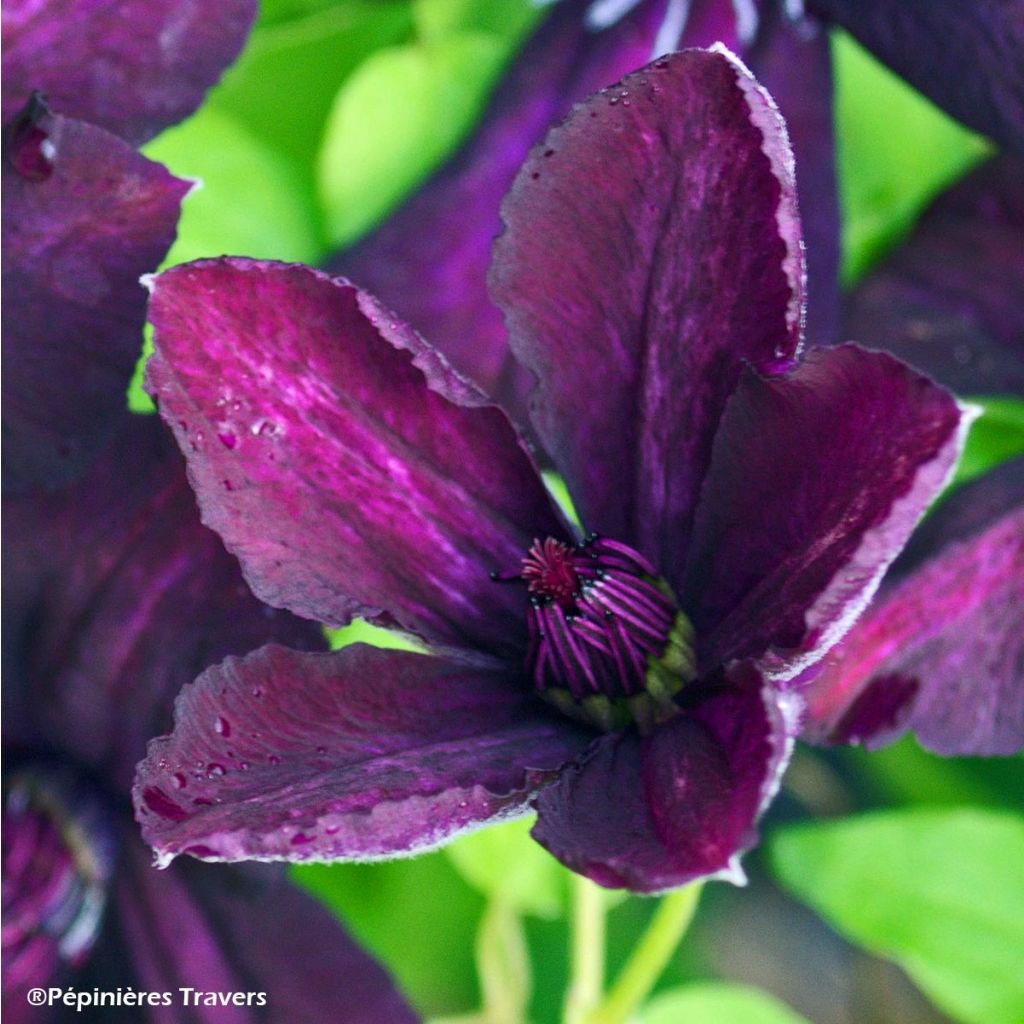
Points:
[418,916]
[941,892]
[291,70]
[250,202]
[407,107]
[717,1003]
[995,436]
[507,866]
[895,151]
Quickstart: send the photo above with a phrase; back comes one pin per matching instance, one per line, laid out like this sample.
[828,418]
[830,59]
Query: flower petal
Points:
[943,648]
[83,216]
[948,299]
[359,754]
[340,458]
[218,929]
[680,804]
[428,260]
[964,57]
[651,246]
[133,67]
[115,597]
[793,62]
[817,479]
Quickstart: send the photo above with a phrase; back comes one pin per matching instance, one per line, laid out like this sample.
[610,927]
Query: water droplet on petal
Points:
[222,726]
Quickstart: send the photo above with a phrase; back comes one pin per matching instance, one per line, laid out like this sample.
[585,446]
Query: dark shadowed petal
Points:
[359,754]
[817,479]
[428,260]
[942,649]
[58,853]
[340,457]
[963,56]
[948,300]
[656,812]
[651,246]
[83,216]
[792,61]
[133,67]
[233,929]
[115,597]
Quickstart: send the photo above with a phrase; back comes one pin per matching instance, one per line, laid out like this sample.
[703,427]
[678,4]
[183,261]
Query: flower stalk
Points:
[586,980]
[662,937]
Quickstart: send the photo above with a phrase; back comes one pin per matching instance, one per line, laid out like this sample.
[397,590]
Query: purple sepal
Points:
[340,457]
[651,248]
[817,479]
[941,651]
[654,812]
[359,754]
[133,67]
[84,216]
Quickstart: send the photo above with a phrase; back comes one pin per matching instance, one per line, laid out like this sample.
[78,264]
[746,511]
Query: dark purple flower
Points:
[948,300]
[635,684]
[941,650]
[84,215]
[428,260]
[114,596]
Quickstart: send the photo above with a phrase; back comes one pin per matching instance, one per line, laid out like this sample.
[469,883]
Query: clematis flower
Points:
[84,213]
[580,47]
[637,684]
[114,596]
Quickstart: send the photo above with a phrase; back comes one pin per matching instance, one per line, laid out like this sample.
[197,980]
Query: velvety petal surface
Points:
[817,479]
[115,597]
[233,929]
[354,755]
[651,813]
[133,67]
[948,299]
[342,460]
[942,649]
[963,56]
[651,247]
[428,260]
[83,216]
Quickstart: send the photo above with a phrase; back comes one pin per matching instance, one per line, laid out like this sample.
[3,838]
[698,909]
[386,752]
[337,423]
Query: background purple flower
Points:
[652,281]
[115,595]
[84,214]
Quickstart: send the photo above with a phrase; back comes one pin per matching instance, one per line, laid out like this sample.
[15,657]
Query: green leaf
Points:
[510,19]
[417,916]
[283,86]
[250,203]
[895,150]
[508,867]
[397,117]
[941,892]
[995,436]
[717,1003]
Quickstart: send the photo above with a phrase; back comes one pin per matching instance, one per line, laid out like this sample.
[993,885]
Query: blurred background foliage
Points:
[335,111]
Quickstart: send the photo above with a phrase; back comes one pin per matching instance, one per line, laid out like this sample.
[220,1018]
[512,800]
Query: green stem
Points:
[649,958]
[586,980]
[503,965]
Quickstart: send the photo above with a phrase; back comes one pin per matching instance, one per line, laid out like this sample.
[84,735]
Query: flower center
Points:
[608,644]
